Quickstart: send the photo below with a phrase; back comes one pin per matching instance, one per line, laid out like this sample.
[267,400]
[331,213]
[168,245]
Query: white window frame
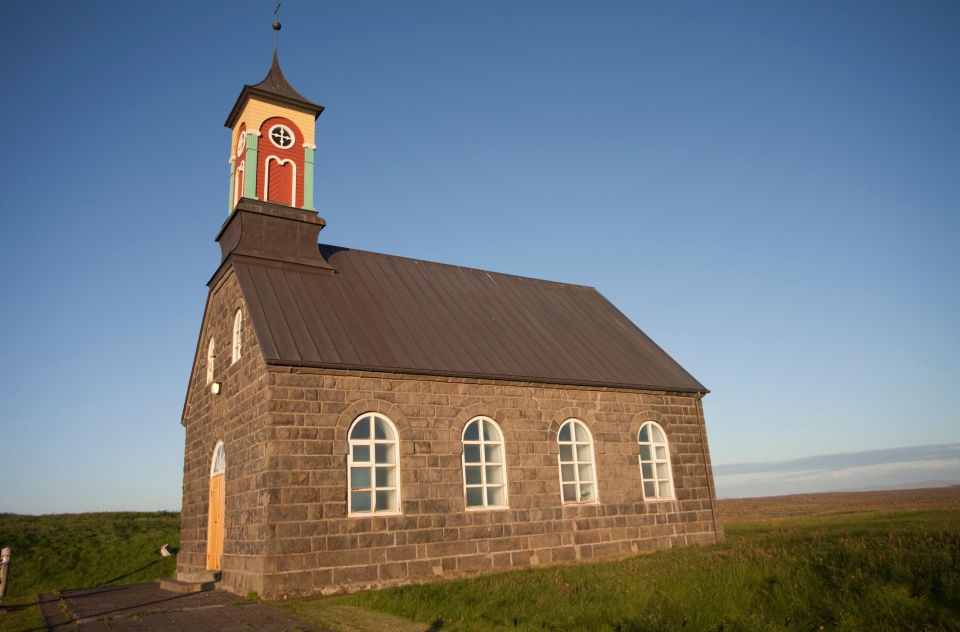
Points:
[211,357]
[266,178]
[216,461]
[238,178]
[371,445]
[483,442]
[236,348]
[654,461]
[293,137]
[574,443]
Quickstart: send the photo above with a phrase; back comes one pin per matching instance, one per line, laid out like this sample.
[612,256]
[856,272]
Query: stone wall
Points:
[314,546]
[237,416]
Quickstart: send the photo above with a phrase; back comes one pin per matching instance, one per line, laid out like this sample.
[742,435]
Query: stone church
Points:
[356,419]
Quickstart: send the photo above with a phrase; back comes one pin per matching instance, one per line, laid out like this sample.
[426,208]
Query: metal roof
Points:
[275,86]
[389,313]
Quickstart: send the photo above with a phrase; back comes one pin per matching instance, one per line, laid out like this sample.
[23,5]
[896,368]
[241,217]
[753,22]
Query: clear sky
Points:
[770,190]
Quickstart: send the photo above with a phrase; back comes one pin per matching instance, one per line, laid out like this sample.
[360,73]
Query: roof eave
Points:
[314,108]
[699,389]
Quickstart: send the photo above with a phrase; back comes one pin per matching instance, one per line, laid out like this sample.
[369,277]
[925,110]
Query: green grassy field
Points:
[80,550]
[891,571]
[880,571]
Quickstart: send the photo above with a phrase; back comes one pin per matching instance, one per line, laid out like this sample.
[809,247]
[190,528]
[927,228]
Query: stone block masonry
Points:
[285,429]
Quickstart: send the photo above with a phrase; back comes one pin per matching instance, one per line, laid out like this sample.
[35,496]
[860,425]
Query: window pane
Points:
[490,432]
[359,477]
[586,472]
[649,490]
[471,453]
[656,434]
[570,492]
[565,433]
[492,453]
[566,473]
[494,473]
[495,497]
[387,501]
[581,432]
[472,433]
[662,470]
[475,497]
[645,433]
[385,452]
[382,430]
[361,430]
[473,475]
[566,453]
[661,452]
[360,501]
[583,453]
[586,493]
[386,477]
[665,489]
[646,453]
[361,453]
[647,469]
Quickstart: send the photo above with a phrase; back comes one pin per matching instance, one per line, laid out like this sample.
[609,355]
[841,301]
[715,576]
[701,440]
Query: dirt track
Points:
[773,507]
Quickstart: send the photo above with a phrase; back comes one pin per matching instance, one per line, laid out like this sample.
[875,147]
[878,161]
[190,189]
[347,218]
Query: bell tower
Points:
[272,142]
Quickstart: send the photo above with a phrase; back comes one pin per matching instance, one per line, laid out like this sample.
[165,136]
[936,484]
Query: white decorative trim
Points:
[266,178]
[237,189]
[257,134]
[309,146]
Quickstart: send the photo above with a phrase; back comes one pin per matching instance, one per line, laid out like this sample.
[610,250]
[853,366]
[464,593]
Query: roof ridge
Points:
[461,267]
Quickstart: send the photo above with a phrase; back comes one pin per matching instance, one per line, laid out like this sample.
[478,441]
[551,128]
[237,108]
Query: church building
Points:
[356,419]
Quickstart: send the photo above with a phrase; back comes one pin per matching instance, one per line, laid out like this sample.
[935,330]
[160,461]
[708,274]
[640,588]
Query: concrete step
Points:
[199,576]
[198,581]
[180,586]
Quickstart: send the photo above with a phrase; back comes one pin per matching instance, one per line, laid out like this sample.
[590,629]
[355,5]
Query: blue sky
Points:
[770,190]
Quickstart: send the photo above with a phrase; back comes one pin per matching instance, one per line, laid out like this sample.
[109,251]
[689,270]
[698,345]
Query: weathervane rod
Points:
[276,27]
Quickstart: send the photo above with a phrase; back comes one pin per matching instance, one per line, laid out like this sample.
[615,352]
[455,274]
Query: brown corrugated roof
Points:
[382,312]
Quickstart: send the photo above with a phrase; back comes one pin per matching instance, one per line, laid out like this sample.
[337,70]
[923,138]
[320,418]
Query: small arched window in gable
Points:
[211,356]
[237,335]
[373,466]
[655,462]
[484,475]
[578,481]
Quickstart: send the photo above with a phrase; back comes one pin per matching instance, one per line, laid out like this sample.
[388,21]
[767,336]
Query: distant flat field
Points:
[733,510]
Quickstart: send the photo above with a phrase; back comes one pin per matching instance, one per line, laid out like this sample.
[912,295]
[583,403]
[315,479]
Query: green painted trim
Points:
[233,176]
[250,168]
[308,178]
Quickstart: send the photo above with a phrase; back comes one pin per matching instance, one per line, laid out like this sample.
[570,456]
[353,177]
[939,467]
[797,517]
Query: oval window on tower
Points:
[281,136]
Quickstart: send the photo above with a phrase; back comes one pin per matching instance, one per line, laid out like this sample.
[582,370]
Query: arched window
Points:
[219,463]
[484,473]
[280,180]
[238,183]
[237,329]
[373,466]
[578,482]
[655,461]
[211,356]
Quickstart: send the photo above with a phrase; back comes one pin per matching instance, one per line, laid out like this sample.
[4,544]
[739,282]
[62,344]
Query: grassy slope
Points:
[80,550]
[881,571]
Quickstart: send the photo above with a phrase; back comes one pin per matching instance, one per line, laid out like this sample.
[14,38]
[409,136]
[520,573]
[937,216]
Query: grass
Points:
[889,571]
[80,550]
[880,571]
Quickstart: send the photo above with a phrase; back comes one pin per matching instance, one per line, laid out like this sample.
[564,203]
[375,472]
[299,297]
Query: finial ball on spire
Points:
[276,25]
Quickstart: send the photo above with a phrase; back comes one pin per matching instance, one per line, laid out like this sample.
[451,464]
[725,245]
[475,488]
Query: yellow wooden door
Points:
[215,523]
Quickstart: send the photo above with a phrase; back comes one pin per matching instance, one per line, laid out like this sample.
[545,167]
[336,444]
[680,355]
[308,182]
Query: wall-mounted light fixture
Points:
[215,388]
